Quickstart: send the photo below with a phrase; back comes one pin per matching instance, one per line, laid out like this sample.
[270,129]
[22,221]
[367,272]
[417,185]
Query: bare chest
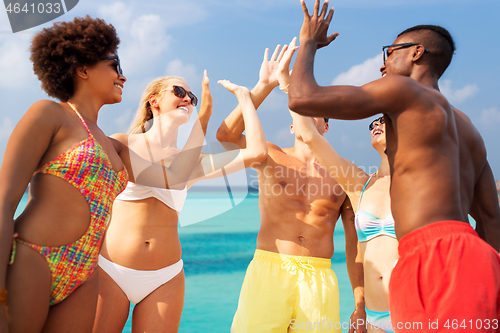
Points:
[299,185]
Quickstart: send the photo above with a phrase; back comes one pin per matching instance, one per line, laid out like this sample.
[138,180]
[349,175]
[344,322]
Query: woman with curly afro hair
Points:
[74,172]
[50,282]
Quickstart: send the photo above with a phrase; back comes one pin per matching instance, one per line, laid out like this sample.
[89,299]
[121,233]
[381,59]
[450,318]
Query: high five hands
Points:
[315,27]
[283,71]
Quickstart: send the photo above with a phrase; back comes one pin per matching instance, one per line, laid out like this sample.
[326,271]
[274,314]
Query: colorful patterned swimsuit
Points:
[87,167]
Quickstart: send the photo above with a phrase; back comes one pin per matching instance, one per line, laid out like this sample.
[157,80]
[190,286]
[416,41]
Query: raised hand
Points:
[268,69]
[234,88]
[315,27]
[283,71]
[206,95]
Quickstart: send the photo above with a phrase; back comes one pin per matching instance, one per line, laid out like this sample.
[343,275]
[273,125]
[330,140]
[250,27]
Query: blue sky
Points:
[228,39]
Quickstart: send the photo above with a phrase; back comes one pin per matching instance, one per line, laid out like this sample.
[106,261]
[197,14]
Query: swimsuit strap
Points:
[364,188]
[13,249]
[81,118]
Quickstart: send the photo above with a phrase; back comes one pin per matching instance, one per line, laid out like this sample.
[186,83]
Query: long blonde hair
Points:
[143,118]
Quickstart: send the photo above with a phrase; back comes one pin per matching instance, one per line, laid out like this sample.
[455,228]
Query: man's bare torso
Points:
[436,156]
[299,205]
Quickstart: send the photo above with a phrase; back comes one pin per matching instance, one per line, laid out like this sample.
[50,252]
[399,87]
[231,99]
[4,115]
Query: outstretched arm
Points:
[153,173]
[354,267]
[216,165]
[485,209]
[313,35]
[233,126]
[389,94]
[346,173]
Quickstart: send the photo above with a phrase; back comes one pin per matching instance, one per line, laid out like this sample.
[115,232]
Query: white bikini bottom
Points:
[137,284]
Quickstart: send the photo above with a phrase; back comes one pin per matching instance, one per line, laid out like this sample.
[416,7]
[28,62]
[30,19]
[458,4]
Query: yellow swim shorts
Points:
[284,293]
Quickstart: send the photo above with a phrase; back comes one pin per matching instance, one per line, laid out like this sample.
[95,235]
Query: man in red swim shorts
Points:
[447,278]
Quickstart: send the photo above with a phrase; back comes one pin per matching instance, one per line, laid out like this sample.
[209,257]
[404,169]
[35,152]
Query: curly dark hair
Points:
[58,51]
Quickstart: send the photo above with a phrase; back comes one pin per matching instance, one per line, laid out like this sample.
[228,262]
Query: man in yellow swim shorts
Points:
[289,283]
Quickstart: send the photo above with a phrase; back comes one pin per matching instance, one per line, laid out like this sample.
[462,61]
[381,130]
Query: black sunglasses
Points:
[380,120]
[118,67]
[181,93]
[385,49]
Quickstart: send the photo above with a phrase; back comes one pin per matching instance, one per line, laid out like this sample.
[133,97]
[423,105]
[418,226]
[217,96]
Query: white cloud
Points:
[176,13]
[457,96]
[146,40]
[142,39]
[360,74]
[16,70]
[490,117]
[173,13]
[117,13]
[187,71]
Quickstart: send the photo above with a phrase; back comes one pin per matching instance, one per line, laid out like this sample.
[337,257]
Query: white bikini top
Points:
[172,198]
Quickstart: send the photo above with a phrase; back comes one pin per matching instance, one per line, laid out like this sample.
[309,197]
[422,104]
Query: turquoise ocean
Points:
[216,253]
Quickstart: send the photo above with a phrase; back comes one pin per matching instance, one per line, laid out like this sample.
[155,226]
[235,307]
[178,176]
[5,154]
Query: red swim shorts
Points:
[447,279]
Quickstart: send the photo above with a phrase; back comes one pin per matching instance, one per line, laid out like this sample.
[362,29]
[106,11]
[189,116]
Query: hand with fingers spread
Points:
[233,126]
[283,71]
[268,69]
[315,27]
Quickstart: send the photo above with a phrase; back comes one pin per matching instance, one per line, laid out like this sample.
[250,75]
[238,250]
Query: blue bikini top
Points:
[369,226]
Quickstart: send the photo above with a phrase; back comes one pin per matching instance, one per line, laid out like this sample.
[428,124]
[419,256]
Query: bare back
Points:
[299,205]
[436,157]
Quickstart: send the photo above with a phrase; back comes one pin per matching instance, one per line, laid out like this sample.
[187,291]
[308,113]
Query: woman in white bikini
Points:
[371,201]
[140,259]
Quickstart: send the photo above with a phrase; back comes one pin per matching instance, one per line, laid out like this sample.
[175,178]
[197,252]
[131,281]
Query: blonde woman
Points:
[140,259]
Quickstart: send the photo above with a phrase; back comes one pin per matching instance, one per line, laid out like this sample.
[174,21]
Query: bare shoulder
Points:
[391,83]
[271,147]
[44,117]
[45,104]
[393,93]
[119,141]
[274,152]
[46,111]
[120,137]
[32,140]
[466,127]
[462,118]
[402,82]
